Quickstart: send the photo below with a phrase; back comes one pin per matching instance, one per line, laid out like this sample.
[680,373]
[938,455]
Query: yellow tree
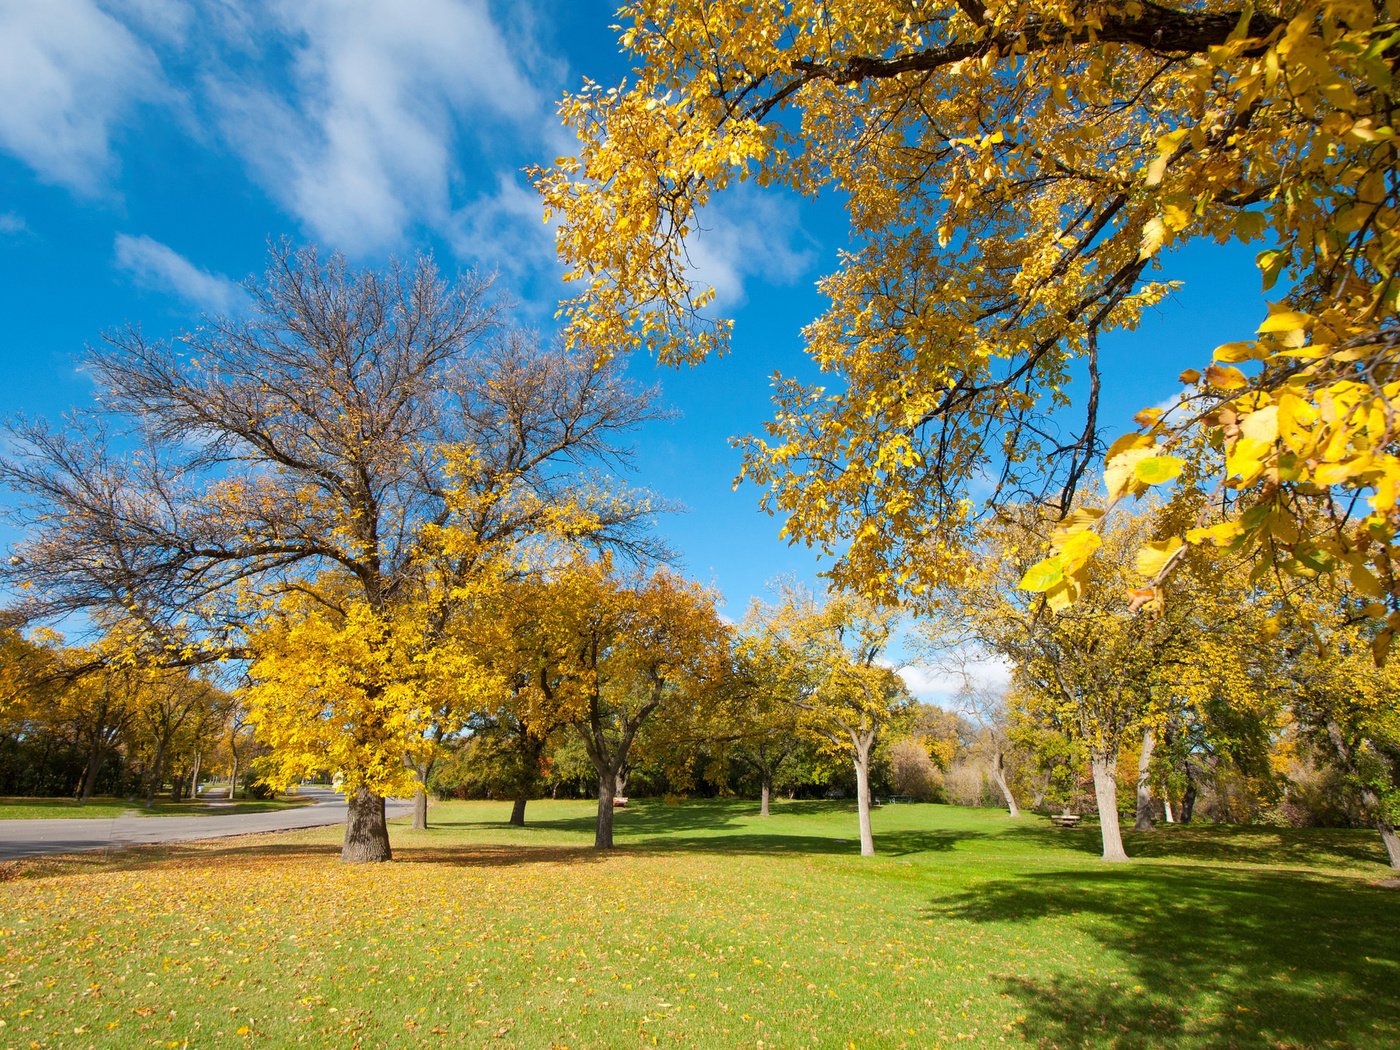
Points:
[611,652]
[369,442]
[1012,172]
[339,687]
[845,696]
[758,720]
[1348,708]
[1092,670]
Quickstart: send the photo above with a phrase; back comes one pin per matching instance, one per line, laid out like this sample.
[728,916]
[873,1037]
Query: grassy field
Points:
[107,808]
[709,927]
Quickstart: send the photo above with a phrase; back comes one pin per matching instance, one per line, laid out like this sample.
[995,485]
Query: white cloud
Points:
[166,20]
[156,266]
[743,235]
[940,685]
[68,74]
[12,224]
[365,141]
[506,230]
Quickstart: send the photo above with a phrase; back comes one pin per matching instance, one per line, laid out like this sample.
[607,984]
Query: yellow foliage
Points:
[1012,173]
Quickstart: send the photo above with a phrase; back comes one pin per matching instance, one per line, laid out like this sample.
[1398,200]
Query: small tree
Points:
[612,652]
[843,694]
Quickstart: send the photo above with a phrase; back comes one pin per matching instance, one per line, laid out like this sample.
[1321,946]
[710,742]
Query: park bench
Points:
[1065,820]
[619,802]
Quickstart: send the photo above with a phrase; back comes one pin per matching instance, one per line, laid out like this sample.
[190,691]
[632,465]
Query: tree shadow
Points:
[887,844]
[1218,957]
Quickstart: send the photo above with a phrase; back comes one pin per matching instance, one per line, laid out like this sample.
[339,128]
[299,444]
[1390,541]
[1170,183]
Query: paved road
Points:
[29,838]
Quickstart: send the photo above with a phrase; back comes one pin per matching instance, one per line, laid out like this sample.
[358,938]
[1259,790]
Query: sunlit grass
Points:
[710,927]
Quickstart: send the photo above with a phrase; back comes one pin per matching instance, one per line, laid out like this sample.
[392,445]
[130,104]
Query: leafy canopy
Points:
[1013,172]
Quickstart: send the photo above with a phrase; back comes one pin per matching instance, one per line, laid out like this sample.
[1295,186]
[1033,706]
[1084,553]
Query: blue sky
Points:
[149,149]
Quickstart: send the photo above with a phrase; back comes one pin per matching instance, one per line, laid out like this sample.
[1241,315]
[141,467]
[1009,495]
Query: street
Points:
[30,838]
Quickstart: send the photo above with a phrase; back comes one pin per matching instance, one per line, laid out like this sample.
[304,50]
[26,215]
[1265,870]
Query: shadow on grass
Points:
[1218,957]
[1322,848]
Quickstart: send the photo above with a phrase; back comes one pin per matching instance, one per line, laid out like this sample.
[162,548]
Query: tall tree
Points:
[359,443]
[1012,172]
[1093,670]
[844,695]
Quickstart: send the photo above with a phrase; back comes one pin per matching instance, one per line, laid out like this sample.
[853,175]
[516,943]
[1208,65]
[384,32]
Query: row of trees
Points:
[401,518]
[76,722]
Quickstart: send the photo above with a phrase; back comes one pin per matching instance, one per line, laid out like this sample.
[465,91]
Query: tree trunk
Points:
[96,757]
[862,763]
[194,778]
[1105,767]
[366,832]
[517,812]
[156,774]
[233,778]
[1391,840]
[999,775]
[1144,784]
[1188,797]
[767,790]
[1167,808]
[607,788]
[420,794]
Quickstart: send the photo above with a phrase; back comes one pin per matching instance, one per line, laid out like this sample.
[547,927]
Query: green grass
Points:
[107,808]
[709,927]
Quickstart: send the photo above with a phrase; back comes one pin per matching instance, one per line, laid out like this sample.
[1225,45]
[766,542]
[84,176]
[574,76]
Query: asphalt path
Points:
[31,838]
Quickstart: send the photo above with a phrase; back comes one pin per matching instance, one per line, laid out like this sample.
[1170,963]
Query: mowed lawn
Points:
[709,927]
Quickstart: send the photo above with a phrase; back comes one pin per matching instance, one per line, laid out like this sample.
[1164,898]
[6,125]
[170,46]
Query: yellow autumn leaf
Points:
[1153,557]
[1226,377]
[1284,321]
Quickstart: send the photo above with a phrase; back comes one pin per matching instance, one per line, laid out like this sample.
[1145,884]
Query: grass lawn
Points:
[709,927]
[107,808]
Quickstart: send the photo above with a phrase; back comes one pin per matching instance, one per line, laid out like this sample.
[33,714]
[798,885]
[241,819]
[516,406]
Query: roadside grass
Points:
[710,927]
[107,808]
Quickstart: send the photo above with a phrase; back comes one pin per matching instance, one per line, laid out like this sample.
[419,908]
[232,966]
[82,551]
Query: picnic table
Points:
[1065,820]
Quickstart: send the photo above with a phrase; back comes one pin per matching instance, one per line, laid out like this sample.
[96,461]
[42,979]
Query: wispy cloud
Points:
[364,139]
[12,224]
[68,73]
[157,266]
[747,234]
[505,230]
[940,685]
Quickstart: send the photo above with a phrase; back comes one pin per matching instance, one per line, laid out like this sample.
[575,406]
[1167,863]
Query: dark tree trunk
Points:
[1188,797]
[96,758]
[194,778]
[517,811]
[1144,782]
[607,788]
[767,790]
[156,774]
[366,831]
[1105,767]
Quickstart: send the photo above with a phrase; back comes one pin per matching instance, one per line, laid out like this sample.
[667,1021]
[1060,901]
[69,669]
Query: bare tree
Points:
[315,438]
